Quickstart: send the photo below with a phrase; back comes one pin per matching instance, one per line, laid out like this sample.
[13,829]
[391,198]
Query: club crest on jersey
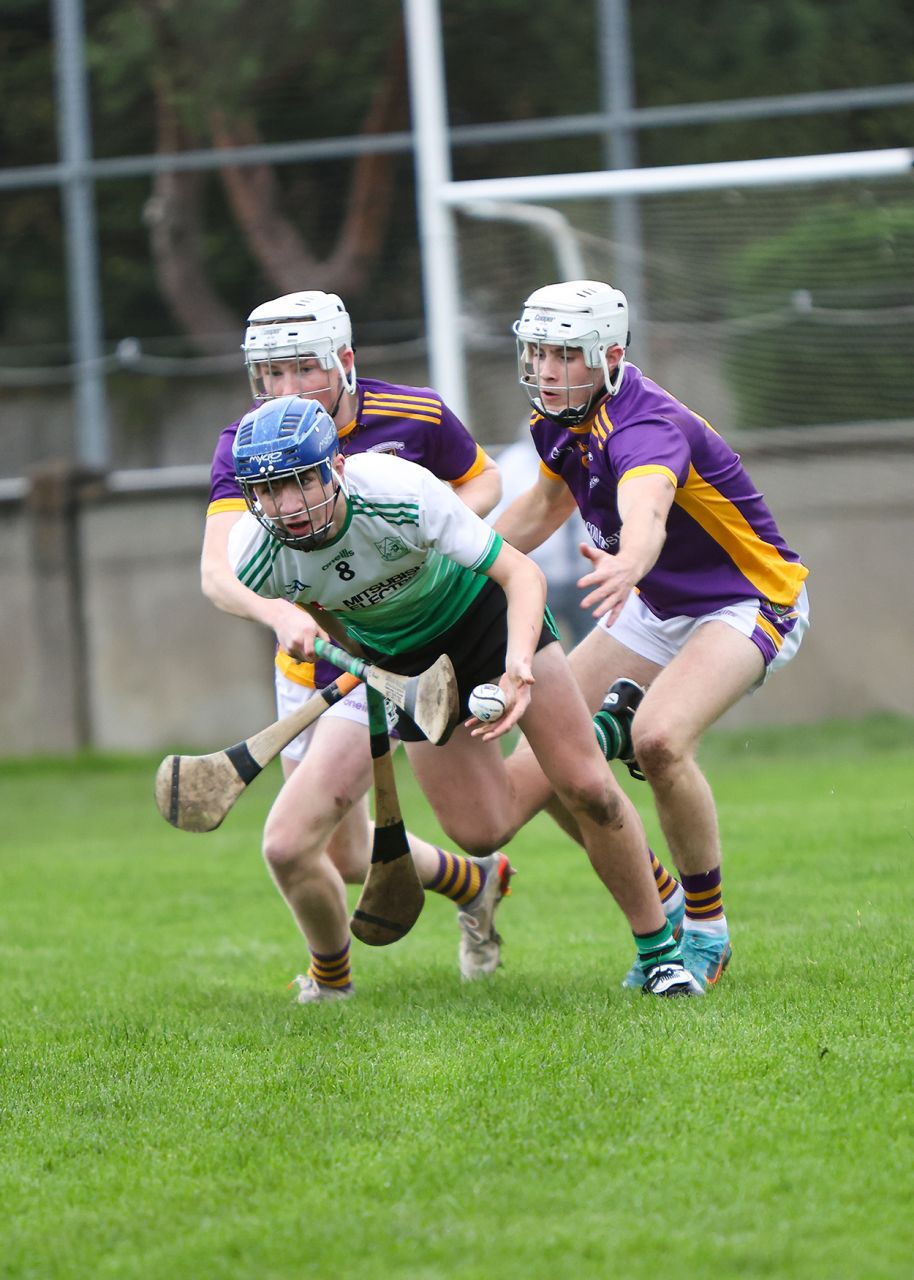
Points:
[294,588]
[392,548]
[393,447]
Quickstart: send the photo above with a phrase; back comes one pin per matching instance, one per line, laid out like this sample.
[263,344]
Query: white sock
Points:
[675,900]
[712,928]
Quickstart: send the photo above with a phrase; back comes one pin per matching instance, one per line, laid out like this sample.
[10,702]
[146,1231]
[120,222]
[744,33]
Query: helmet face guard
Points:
[305,330]
[270,352]
[578,397]
[284,453]
[583,316]
[308,525]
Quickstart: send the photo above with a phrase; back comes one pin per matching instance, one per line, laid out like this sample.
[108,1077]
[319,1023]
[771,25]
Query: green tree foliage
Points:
[190,252]
[724,50]
[843,280]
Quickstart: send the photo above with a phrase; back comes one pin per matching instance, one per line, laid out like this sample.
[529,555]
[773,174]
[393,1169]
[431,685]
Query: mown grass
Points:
[164,1111]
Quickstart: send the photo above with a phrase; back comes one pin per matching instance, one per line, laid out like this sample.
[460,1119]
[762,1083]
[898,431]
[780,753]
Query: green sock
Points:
[609,735]
[657,948]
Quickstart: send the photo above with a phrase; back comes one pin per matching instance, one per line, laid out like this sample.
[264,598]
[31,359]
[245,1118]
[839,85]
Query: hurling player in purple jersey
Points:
[698,596]
[301,343]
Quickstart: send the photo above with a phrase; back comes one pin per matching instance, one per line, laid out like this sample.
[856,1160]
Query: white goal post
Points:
[514,201]
[439,198]
[684,177]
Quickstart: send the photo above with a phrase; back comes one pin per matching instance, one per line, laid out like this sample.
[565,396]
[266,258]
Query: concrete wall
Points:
[129,656]
[850,513]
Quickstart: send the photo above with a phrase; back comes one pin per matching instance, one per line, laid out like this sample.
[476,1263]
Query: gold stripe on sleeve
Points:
[226,504]
[478,466]
[649,469]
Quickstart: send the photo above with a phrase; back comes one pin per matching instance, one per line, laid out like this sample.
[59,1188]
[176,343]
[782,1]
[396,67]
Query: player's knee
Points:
[289,846]
[279,852]
[658,749]
[594,800]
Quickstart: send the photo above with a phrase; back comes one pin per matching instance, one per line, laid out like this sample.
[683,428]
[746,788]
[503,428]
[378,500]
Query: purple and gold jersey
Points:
[722,543]
[409,422]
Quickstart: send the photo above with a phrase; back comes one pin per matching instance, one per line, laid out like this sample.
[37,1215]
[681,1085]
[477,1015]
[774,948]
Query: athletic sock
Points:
[703,899]
[331,970]
[657,948]
[668,886]
[458,878]
[610,734]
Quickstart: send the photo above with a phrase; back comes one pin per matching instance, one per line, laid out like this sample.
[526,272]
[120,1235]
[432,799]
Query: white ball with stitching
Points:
[487,702]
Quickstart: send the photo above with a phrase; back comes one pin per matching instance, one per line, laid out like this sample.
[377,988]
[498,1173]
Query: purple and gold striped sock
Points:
[457,878]
[331,970]
[703,898]
[667,884]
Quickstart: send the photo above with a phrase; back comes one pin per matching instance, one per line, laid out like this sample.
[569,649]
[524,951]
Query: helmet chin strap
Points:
[567,417]
[338,400]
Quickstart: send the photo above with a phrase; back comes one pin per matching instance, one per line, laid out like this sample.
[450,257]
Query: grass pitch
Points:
[164,1111]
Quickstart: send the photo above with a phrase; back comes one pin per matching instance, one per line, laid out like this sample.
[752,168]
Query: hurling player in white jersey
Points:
[302,343]
[380,553]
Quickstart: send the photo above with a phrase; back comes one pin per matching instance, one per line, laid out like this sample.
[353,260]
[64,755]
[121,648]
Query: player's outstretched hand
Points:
[517,693]
[610,580]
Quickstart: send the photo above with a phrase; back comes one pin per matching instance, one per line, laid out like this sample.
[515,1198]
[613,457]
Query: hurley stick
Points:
[392,896]
[430,699]
[194,793]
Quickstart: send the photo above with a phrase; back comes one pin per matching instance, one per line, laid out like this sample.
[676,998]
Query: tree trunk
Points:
[284,255]
[173,215]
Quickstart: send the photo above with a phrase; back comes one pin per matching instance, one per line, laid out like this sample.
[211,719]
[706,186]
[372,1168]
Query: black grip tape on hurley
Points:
[390,843]
[245,765]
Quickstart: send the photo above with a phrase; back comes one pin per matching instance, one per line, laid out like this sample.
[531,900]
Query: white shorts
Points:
[290,695]
[777,632]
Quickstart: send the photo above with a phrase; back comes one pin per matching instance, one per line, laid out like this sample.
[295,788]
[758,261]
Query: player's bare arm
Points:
[644,503]
[524,586]
[221,586]
[536,514]
[481,492]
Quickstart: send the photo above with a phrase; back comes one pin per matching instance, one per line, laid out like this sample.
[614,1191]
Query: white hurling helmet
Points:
[581,314]
[311,325]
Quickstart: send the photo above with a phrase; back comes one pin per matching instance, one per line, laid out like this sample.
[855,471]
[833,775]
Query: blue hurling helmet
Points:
[289,439]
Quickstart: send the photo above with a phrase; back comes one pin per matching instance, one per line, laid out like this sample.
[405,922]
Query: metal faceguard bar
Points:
[276,526]
[276,345]
[529,356]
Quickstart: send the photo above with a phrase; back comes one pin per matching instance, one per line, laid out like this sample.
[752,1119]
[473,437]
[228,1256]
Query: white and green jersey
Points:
[405,567]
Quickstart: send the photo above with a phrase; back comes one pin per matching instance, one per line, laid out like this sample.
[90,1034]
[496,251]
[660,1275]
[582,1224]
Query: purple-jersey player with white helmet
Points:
[699,597]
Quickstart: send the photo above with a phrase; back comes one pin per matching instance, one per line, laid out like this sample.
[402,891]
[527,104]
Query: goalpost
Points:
[782,289]
[768,292]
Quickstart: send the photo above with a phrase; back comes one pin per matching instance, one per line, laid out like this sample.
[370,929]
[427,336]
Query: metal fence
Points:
[75,177]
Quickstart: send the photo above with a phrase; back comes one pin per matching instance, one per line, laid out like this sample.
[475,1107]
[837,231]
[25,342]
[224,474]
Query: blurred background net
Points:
[234,152]
[761,307]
